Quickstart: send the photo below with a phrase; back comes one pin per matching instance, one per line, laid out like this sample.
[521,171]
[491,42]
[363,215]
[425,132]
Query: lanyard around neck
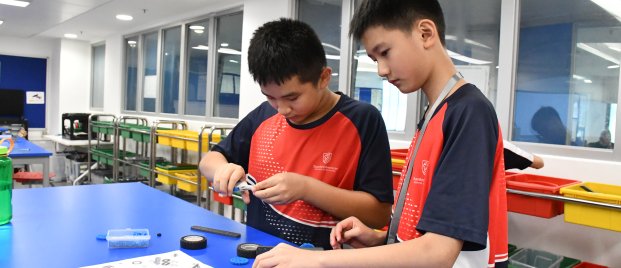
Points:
[396,215]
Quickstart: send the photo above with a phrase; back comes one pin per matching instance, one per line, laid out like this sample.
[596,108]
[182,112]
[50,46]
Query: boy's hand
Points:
[353,232]
[226,176]
[282,188]
[285,255]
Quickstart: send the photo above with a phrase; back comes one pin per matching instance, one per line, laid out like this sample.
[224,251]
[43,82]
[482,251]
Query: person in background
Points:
[548,124]
[604,141]
[515,157]
[454,209]
[315,156]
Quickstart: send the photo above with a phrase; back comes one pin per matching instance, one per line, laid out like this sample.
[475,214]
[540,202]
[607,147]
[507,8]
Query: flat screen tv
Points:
[12,103]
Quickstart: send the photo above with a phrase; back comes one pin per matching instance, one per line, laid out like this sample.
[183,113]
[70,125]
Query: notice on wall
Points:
[35,97]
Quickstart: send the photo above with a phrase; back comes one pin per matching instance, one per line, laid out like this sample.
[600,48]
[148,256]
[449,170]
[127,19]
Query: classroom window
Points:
[149,79]
[131,72]
[472,41]
[170,69]
[567,84]
[228,41]
[198,54]
[97,76]
[325,18]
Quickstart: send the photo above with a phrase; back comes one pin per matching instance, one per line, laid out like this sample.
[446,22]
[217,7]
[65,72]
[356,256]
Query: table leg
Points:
[46,173]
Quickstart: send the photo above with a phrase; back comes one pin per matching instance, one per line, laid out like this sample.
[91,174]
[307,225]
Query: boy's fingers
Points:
[246,197]
[237,174]
[268,183]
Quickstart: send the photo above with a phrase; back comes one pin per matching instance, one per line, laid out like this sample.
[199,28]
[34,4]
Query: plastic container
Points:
[589,265]
[512,249]
[171,169]
[128,238]
[397,157]
[534,206]
[531,258]
[103,127]
[191,176]
[568,262]
[135,132]
[6,183]
[177,141]
[595,216]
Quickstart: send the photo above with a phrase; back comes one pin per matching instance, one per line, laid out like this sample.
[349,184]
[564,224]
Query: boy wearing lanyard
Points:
[451,207]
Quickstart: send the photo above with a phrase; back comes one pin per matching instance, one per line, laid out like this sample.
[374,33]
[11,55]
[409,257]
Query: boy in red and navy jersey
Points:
[454,210]
[316,156]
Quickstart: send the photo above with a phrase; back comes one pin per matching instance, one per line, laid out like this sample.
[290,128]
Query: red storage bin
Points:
[589,265]
[534,206]
[398,158]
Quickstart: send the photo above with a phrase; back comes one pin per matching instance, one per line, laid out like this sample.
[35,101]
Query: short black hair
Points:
[284,48]
[396,14]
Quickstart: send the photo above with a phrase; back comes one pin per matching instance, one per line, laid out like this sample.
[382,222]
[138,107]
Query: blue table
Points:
[28,153]
[57,226]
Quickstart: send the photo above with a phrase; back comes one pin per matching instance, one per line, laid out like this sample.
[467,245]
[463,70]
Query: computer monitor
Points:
[12,103]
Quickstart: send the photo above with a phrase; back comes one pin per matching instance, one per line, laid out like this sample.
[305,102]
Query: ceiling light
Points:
[131,42]
[199,31]
[233,61]
[333,57]
[201,47]
[614,46]
[229,51]
[335,74]
[463,58]
[588,81]
[224,44]
[613,66]
[197,27]
[1,22]
[468,41]
[611,6]
[124,17]
[17,3]
[597,52]
[70,35]
[579,77]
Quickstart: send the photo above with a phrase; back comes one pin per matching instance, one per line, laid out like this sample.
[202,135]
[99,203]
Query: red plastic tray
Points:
[534,206]
[589,265]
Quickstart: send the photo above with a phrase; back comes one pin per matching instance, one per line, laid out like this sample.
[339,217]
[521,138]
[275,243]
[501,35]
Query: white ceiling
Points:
[91,20]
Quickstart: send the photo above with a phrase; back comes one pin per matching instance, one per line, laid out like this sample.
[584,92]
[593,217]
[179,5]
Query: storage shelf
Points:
[555,197]
[565,199]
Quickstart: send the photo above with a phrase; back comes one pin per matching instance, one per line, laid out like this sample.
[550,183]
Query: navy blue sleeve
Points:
[236,146]
[516,157]
[374,173]
[458,202]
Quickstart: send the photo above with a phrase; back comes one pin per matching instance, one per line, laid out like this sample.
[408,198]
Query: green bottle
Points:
[6,185]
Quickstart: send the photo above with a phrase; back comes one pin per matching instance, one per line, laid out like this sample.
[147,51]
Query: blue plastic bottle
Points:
[6,186]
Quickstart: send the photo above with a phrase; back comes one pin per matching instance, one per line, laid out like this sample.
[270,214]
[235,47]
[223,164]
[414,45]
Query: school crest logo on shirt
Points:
[327,157]
[425,167]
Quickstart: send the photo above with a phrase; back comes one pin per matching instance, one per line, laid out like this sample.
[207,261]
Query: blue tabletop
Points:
[57,227]
[25,148]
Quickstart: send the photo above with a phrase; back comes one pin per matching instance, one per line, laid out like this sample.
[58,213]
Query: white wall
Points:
[256,13]
[73,82]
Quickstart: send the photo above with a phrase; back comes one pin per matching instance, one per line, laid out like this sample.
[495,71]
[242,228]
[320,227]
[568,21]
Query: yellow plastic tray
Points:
[167,179]
[191,176]
[593,215]
[183,144]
